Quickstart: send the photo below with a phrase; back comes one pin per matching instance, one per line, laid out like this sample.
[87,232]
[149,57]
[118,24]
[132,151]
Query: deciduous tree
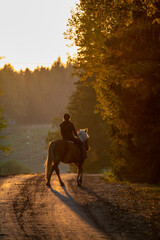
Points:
[118,50]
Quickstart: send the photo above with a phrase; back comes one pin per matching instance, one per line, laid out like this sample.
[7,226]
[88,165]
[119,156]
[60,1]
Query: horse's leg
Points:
[79,177]
[57,172]
[49,163]
[49,176]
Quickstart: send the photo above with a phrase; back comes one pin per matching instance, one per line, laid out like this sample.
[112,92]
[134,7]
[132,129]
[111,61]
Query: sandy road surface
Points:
[96,210]
[30,210]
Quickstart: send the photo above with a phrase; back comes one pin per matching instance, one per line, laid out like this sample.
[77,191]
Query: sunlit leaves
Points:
[3,124]
[119,50]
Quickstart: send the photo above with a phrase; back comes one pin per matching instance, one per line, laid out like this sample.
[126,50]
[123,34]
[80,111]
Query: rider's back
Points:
[67,130]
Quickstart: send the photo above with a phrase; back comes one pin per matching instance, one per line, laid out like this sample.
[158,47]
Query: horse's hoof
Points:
[62,184]
[48,184]
[79,184]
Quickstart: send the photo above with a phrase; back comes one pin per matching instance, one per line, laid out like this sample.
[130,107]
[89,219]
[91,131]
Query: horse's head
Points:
[83,136]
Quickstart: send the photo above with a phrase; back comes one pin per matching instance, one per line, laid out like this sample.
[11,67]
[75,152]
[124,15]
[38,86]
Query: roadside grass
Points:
[28,146]
[9,167]
[140,199]
[109,176]
[143,187]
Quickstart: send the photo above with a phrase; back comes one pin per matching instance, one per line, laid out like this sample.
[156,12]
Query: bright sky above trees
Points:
[32,32]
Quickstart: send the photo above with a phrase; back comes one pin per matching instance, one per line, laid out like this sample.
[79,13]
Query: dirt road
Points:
[30,210]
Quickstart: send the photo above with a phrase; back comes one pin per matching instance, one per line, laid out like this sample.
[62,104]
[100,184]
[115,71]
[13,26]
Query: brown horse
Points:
[66,152]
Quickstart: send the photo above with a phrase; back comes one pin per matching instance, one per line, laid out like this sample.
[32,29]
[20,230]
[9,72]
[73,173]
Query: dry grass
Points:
[28,145]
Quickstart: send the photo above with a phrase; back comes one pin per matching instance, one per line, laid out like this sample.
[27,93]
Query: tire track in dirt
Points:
[34,211]
[30,210]
[22,208]
[25,209]
[9,187]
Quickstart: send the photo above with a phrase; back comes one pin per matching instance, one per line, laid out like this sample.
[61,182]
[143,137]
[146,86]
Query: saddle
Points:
[78,143]
[69,141]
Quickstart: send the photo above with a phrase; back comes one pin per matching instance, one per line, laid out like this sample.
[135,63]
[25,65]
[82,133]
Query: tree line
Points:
[118,57]
[36,96]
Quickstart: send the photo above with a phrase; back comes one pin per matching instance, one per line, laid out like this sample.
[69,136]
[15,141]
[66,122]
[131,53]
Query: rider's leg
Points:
[79,145]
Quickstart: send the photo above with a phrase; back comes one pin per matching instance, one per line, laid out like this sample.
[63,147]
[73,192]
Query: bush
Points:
[8,167]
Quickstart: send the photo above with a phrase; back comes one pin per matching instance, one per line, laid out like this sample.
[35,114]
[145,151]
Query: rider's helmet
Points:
[66,116]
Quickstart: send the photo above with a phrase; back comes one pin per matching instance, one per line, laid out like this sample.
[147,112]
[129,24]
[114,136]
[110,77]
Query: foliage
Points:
[8,167]
[118,54]
[81,108]
[36,96]
[3,124]
[52,135]
[110,177]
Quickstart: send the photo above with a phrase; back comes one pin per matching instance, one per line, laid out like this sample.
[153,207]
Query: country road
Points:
[30,210]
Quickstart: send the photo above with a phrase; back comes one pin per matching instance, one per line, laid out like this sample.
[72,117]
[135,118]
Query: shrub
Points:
[8,167]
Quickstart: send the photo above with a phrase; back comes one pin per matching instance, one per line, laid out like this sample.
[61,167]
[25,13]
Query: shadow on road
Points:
[115,220]
[77,208]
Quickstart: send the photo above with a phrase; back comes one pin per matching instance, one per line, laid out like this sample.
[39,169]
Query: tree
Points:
[119,49]
[36,96]
[3,124]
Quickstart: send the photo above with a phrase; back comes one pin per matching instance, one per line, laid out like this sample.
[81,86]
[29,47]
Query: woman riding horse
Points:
[66,151]
[68,132]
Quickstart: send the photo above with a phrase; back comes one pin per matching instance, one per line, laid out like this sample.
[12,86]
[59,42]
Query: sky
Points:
[31,32]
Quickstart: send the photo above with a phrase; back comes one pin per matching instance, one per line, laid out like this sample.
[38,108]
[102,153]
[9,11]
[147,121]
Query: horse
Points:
[66,152]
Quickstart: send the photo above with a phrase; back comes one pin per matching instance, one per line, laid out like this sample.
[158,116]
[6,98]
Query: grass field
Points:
[28,146]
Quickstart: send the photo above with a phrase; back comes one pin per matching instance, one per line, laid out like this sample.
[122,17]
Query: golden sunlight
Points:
[32,32]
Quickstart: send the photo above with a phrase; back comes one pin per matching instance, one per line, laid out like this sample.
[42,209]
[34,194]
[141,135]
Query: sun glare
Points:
[23,66]
[32,32]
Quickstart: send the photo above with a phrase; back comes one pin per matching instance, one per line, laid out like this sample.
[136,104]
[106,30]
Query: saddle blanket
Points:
[70,141]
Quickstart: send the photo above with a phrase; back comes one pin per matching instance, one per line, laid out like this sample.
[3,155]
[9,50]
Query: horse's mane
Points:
[83,135]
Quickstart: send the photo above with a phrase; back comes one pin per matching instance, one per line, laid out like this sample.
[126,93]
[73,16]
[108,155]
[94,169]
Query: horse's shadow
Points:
[69,200]
[74,206]
[114,213]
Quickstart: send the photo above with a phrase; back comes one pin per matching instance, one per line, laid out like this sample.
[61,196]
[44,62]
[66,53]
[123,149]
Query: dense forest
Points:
[36,96]
[119,57]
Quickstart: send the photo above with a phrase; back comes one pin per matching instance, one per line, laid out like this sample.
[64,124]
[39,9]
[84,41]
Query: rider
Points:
[68,131]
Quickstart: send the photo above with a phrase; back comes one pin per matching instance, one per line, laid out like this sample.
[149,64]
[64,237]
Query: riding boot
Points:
[84,153]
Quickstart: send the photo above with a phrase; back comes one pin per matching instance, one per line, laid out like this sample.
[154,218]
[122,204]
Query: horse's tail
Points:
[49,161]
